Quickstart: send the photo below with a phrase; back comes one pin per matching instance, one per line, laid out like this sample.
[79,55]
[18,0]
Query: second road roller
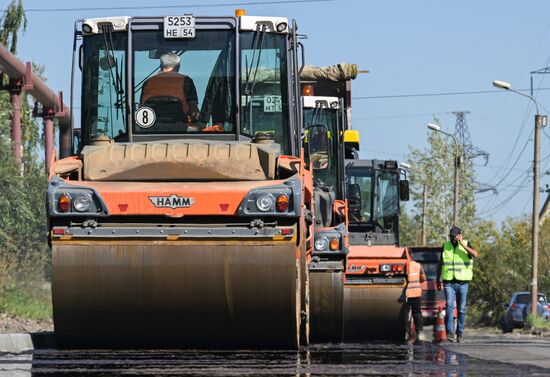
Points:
[326,107]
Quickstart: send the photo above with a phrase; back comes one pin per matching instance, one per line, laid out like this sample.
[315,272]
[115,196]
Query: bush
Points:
[536,322]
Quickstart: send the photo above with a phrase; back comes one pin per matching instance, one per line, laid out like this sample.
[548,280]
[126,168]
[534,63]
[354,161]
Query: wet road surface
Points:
[372,359]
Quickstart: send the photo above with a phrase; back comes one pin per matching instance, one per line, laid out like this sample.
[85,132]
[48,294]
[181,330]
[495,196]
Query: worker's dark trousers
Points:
[414,303]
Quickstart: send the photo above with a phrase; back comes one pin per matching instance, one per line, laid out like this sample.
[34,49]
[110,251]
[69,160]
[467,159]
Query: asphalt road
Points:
[513,348]
[369,359]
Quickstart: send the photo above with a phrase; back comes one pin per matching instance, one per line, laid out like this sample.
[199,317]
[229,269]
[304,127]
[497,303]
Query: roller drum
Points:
[134,294]
[327,306]
[374,313]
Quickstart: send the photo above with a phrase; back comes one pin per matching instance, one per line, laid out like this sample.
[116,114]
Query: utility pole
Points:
[437,128]
[539,120]
[546,207]
[424,209]
[456,188]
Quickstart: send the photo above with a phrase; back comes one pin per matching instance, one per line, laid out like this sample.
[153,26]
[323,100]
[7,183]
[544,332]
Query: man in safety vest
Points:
[455,274]
[415,276]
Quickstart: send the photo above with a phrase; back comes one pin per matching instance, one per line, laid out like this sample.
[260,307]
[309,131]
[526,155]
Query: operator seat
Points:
[169,112]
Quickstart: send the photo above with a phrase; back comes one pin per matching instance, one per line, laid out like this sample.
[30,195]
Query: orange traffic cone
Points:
[440,335]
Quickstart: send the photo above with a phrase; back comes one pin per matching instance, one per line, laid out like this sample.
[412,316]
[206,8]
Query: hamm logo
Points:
[355,268]
[173,201]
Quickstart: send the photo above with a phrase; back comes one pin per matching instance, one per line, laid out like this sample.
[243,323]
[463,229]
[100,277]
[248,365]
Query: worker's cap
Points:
[455,231]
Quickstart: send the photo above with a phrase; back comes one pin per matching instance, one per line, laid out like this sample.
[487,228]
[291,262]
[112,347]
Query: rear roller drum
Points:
[374,313]
[327,296]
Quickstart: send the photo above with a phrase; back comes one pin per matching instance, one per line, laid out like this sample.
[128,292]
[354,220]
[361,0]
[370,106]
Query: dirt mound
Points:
[11,324]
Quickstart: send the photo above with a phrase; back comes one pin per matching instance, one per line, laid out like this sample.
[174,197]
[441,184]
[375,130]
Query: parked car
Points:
[519,308]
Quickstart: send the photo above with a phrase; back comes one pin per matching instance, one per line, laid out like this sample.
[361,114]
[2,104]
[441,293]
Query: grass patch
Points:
[537,322]
[29,303]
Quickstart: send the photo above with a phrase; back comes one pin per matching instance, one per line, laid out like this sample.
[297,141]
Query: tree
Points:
[434,167]
[23,247]
[13,20]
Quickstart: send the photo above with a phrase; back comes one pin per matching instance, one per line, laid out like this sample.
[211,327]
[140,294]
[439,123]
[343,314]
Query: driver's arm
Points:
[191,97]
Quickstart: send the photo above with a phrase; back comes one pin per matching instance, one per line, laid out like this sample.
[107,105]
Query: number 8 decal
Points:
[145,117]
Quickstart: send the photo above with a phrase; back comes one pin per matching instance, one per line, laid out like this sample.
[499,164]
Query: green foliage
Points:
[13,20]
[31,303]
[537,322]
[408,234]
[433,168]
[23,249]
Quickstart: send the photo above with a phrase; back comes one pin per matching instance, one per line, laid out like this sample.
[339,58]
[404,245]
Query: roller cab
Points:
[178,218]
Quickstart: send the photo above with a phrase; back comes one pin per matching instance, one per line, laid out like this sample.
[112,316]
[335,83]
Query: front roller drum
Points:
[327,306]
[374,312]
[220,294]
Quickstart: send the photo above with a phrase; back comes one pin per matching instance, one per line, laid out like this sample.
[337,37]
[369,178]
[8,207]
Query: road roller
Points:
[323,117]
[376,270]
[325,112]
[180,212]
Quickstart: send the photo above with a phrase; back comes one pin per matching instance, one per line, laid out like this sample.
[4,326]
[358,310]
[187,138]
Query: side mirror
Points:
[318,147]
[354,197]
[77,141]
[404,190]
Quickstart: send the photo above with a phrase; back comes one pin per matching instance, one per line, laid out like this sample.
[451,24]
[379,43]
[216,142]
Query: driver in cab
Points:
[318,148]
[170,83]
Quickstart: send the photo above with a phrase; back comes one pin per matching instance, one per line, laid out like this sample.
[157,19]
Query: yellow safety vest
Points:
[413,280]
[457,263]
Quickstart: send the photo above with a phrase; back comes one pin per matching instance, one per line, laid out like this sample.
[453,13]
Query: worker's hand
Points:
[439,285]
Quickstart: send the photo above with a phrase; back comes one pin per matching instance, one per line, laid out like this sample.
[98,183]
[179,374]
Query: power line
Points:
[198,5]
[440,94]
[509,158]
[505,188]
[398,116]
[502,204]
[495,167]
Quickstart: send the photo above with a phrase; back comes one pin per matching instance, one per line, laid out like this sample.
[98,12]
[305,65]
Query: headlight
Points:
[81,204]
[265,203]
[281,26]
[385,267]
[321,244]
[67,200]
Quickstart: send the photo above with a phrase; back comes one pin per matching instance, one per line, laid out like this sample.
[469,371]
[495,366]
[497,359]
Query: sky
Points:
[410,47]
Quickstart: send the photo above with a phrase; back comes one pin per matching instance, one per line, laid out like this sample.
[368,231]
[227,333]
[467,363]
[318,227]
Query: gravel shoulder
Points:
[18,325]
[516,348]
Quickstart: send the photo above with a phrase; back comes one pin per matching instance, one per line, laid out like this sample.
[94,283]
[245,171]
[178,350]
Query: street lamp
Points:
[540,121]
[437,128]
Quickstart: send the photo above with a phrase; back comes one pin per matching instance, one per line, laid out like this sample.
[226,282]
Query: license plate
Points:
[179,26]
[272,104]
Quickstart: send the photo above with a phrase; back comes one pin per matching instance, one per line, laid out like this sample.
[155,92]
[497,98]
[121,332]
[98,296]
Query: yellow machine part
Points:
[373,312]
[136,294]
[326,306]
[351,136]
